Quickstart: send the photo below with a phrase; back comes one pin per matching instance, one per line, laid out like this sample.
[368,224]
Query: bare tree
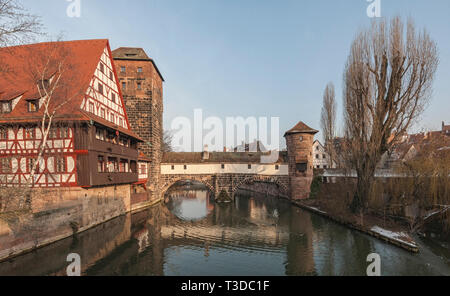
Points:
[328,120]
[50,71]
[167,142]
[16,24]
[387,85]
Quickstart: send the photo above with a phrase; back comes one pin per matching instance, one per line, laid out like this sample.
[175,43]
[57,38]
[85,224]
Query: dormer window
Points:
[44,84]
[33,106]
[6,107]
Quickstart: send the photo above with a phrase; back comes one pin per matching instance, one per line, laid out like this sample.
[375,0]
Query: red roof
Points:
[301,127]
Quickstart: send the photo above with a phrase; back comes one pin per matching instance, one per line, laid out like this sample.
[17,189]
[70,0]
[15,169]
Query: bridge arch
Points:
[283,188]
[171,181]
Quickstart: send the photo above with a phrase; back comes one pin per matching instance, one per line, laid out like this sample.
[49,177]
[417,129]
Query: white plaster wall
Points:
[206,169]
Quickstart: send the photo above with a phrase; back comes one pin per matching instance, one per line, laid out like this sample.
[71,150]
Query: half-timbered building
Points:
[90,142]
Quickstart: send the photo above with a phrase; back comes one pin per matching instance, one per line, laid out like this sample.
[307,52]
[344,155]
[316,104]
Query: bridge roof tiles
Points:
[218,157]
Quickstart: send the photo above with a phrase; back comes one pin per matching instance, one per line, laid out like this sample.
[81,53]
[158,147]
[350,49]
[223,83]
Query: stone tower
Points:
[142,88]
[299,142]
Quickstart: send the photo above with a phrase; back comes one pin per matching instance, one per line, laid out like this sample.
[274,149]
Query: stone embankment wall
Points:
[56,214]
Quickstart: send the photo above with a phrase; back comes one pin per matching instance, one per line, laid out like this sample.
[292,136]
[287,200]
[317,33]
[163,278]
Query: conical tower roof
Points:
[301,128]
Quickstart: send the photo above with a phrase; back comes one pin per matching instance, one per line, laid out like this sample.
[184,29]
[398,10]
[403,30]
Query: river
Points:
[255,235]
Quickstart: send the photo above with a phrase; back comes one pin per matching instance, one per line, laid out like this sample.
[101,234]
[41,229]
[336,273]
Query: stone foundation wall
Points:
[59,213]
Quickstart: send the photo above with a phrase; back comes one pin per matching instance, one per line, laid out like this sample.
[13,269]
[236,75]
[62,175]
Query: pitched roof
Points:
[301,127]
[26,63]
[134,54]
[218,157]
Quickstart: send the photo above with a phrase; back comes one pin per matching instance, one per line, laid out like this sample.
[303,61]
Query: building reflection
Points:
[136,244]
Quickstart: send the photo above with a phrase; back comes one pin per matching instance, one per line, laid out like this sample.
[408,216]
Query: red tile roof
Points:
[301,127]
[24,64]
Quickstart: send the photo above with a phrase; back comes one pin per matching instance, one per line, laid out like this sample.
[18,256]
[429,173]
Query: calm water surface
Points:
[191,235]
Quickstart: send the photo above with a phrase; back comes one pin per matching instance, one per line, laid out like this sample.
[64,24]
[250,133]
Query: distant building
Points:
[256,146]
[409,146]
[321,158]
[445,129]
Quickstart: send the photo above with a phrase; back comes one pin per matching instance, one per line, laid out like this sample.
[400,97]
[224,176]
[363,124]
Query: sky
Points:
[246,58]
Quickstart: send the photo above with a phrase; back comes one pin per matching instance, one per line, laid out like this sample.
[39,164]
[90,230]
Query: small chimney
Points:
[205,154]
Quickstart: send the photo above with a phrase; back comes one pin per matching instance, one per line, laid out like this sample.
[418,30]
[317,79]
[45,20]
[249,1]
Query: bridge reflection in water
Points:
[256,235]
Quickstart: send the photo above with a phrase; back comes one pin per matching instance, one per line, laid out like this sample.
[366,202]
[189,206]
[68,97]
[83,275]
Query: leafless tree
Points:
[167,142]
[328,120]
[50,71]
[387,84]
[16,24]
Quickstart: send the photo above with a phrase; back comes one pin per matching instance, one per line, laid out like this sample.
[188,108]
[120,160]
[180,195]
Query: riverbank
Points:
[57,214]
[392,233]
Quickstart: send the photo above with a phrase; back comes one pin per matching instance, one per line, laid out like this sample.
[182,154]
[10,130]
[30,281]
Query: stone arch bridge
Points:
[223,173]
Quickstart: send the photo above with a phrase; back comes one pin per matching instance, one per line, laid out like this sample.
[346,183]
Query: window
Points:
[113,165]
[249,166]
[139,69]
[133,166]
[325,167]
[91,107]
[29,133]
[139,85]
[101,164]
[173,167]
[3,134]
[6,107]
[120,121]
[112,138]
[52,133]
[99,134]
[123,166]
[324,156]
[102,68]
[111,76]
[5,165]
[277,167]
[64,132]
[317,156]
[223,166]
[301,167]
[123,69]
[112,118]
[33,106]
[143,169]
[100,88]
[124,85]
[31,163]
[103,113]
[300,138]
[185,167]
[113,97]
[60,164]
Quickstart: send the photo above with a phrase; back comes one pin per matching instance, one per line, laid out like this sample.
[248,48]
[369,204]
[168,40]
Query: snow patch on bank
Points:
[316,209]
[401,237]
